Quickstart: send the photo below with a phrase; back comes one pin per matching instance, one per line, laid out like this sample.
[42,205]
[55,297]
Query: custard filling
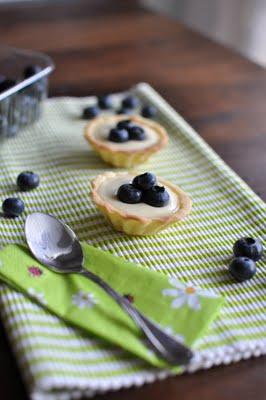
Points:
[101,132]
[108,192]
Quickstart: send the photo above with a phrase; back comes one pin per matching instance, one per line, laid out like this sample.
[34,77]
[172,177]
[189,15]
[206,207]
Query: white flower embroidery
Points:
[186,294]
[82,299]
[39,296]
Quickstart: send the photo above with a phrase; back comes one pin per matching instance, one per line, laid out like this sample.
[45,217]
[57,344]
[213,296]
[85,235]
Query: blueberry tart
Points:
[139,205]
[125,141]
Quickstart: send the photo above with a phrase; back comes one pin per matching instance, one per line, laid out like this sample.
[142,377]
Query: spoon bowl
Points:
[53,243]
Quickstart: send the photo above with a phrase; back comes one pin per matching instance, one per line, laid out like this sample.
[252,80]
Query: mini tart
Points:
[132,152]
[137,219]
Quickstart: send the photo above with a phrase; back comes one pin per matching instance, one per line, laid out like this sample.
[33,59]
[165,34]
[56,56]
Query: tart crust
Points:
[125,158]
[134,224]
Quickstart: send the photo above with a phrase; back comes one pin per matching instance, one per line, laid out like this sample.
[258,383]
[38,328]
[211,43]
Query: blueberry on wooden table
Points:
[90,112]
[128,193]
[105,102]
[130,102]
[156,196]
[118,135]
[248,247]
[13,207]
[144,181]
[28,180]
[242,268]
[148,111]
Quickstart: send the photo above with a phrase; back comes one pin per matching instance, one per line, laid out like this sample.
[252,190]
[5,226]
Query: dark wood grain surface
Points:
[103,46]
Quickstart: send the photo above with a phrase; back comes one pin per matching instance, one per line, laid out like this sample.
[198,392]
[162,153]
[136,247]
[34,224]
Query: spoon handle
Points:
[165,345]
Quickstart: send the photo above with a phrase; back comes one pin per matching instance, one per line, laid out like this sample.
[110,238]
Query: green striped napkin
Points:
[182,310]
[59,360]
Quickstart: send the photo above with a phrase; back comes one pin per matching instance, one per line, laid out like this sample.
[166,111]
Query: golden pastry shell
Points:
[128,157]
[134,224]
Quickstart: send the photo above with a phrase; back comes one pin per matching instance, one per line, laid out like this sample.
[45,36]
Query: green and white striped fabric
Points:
[60,362]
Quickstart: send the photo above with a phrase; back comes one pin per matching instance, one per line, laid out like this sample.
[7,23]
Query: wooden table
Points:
[102,46]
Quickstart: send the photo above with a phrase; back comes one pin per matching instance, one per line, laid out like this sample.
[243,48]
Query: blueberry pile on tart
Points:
[125,141]
[144,189]
[139,204]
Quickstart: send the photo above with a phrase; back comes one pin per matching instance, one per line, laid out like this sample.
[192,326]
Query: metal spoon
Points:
[55,245]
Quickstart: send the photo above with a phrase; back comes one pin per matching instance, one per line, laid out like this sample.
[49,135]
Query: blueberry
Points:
[13,207]
[105,102]
[124,110]
[28,180]
[118,135]
[124,124]
[127,193]
[144,181]
[248,247]
[31,70]
[156,196]
[148,111]
[7,84]
[90,112]
[242,268]
[130,102]
[136,133]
